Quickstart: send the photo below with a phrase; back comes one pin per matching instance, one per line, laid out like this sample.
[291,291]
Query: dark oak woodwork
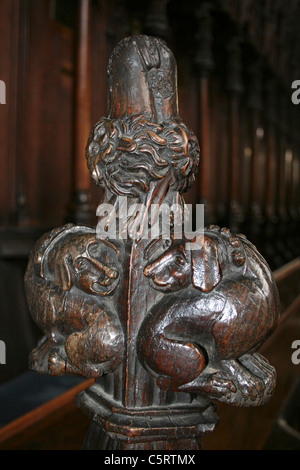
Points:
[79,209]
[44,175]
[165,324]
[59,424]
[253,209]
[234,89]
[204,63]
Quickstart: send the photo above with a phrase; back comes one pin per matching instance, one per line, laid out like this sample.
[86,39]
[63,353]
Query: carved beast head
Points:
[75,256]
[179,266]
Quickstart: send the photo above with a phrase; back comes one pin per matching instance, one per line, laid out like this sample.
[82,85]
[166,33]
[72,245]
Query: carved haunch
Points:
[68,276]
[223,306]
[165,324]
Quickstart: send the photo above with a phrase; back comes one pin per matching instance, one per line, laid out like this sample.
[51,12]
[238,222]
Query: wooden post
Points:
[268,233]
[204,63]
[234,88]
[79,209]
[19,214]
[156,19]
[253,219]
[165,322]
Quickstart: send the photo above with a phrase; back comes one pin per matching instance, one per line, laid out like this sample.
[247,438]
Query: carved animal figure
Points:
[67,280]
[223,304]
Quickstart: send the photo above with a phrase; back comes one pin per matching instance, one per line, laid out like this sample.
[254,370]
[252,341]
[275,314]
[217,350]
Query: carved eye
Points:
[179,261]
[81,264]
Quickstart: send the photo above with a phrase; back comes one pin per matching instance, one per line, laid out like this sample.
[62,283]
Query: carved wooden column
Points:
[234,88]
[204,63]
[286,157]
[268,233]
[280,257]
[292,249]
[253,219]
[156,19]
[79,210]
[166,324]
[19,210]
[296,183]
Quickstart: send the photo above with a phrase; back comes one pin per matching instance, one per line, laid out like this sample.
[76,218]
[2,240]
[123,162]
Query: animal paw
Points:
[217,385]
[261,369]
[255,379]
[39,356]
[56,364]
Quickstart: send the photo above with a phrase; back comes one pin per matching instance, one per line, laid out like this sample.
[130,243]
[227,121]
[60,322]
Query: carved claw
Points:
[57,365]
[217,385]
[39,356]
[250,381]
[250,387]
[260,368]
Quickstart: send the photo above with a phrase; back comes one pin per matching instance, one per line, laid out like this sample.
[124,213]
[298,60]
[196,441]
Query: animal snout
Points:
[149,270]
[112,274]
[161,265]
[106,273]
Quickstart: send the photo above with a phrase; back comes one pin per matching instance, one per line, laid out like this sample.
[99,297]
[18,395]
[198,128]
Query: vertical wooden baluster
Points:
[281,210]
[289,162]
[79,210]
[268,194]
[253,219]
[234,88]
[297,199]
[156,19]
[270,147]
[204,63]
[19,214]
[297,181]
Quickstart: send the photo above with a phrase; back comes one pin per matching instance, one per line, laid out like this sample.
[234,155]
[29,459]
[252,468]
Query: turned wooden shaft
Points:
[234,175]
[270,149]
[204,63]
[82,98]
[204,136]
[255,105]
[234,88]
[282,152]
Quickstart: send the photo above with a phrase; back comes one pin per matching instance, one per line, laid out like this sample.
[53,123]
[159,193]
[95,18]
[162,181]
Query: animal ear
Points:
[205,266]
[62,273]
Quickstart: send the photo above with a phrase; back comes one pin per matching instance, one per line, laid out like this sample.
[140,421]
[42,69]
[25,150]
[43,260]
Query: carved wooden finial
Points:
[165,324]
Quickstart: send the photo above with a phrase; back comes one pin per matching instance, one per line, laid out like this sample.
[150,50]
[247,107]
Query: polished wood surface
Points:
[165,323]
[61,425]
[40,162]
